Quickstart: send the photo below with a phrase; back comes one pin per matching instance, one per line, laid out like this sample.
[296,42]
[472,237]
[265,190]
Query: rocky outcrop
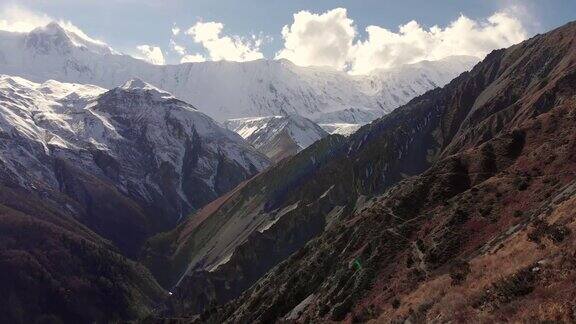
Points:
[134,158]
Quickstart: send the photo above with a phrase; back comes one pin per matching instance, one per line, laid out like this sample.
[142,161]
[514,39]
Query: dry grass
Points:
[553,298]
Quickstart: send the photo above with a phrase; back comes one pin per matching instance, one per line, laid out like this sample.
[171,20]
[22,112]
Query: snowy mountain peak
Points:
[277,136]
[138,84]
[225,90]
[48,39]
[153,150]
[52,28]
[56,38]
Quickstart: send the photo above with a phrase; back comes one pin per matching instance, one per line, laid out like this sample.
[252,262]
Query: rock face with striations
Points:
[421,201]
[135,158]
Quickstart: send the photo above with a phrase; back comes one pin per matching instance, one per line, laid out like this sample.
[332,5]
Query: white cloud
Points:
[177,47]
[183,52]
[229,48]
[67,25]
[330,39]
[17,19]
[152,54]
[412,43]
[14,18]
[319,39]
[175,30]
[192,58]
[325,39]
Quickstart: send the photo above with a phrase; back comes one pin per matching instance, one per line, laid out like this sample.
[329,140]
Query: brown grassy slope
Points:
[486,267]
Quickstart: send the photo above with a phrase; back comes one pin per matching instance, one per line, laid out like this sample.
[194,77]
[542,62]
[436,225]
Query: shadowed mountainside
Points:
[56,269]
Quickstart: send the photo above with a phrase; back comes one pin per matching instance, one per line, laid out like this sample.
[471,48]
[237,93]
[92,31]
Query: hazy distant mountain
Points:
[278,136]
[225,90]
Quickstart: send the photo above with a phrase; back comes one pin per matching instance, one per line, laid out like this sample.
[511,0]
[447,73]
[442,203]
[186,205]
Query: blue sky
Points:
[125,24]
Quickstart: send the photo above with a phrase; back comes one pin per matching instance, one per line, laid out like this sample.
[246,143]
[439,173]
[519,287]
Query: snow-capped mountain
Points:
[156,155]
[225,90]
[277,136]
[341,128]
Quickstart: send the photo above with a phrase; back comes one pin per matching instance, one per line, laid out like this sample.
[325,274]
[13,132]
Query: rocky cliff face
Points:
[426,193]
[135,158]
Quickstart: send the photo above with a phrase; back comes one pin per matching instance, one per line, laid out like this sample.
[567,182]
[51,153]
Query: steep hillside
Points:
[277,136]
[287,205]
[479,236]
[483,127]
[55,270]
[225,90]
[134,158]
[483,233]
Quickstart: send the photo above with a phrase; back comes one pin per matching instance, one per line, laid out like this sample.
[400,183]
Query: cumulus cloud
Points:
[192,58]
[319,39]
[152,54]
[412,43]
[324,39]
[223,47]
[330,39]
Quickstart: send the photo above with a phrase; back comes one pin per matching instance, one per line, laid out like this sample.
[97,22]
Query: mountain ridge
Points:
[256,88]
[472,110]
[148,155]
[436,246]
[277,136]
